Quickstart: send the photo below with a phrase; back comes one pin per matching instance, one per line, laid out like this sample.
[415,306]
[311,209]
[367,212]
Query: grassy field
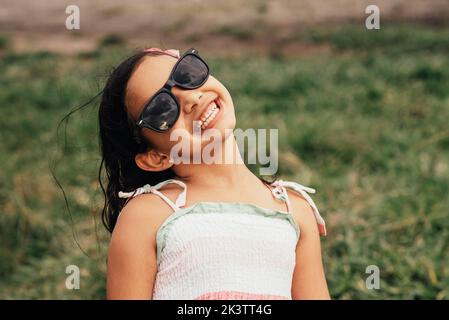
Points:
[365,123]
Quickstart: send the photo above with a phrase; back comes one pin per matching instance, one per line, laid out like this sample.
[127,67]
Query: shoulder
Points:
[132,253]
[138,222]
[303,214]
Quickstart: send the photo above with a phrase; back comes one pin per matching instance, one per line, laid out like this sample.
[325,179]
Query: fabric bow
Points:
[180,201]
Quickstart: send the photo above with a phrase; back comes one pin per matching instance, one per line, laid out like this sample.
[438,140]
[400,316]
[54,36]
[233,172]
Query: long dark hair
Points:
[120,141]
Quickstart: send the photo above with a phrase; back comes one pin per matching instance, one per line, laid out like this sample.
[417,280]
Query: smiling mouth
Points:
[208,117]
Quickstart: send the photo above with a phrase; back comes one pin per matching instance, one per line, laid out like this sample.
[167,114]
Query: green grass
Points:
[366,125]
[398,39]
[236,32]
[4,41]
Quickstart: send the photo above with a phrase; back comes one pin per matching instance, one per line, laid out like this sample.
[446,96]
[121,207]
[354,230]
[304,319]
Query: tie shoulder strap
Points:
[180,200]
[280,192]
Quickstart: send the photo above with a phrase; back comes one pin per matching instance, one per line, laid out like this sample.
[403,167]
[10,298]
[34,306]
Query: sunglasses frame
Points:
[171,82]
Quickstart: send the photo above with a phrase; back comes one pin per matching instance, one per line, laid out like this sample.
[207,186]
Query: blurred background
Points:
[362,117]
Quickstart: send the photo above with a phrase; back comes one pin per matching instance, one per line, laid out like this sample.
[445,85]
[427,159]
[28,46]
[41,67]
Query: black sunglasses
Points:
[162,111]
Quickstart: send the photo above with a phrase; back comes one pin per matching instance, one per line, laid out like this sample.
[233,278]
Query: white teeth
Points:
[209,115]
[209,119]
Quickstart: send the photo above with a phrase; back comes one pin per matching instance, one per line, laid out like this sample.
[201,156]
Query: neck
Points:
[224,175]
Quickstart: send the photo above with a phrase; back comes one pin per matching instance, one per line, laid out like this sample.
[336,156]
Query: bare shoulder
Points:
[139,221]
[303,214]
[132,260]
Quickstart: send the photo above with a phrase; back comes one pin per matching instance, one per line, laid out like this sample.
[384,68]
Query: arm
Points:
[309,281]
[132,262]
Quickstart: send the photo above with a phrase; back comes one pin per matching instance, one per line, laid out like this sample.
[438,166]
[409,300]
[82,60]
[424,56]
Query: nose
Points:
[188,99]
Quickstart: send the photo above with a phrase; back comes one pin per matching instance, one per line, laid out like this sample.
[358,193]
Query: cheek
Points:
[217,85]
[161,141]
[220,88]
[226,95]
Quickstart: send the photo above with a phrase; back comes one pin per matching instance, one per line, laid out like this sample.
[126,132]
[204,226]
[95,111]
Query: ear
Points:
[153,161]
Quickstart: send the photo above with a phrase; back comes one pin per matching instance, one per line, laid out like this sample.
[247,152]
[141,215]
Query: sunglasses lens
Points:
[162,112]
[191,72]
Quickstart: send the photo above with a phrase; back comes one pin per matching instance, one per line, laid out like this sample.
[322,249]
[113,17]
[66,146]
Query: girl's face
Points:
[150,76]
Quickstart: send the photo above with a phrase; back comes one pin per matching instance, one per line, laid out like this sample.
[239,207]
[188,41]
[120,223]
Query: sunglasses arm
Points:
[169,84]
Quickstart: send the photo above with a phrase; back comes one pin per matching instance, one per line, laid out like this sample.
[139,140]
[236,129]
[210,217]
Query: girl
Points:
[195,231]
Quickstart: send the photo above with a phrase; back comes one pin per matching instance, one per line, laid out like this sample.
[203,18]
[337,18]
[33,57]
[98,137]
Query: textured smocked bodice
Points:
[227,250]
